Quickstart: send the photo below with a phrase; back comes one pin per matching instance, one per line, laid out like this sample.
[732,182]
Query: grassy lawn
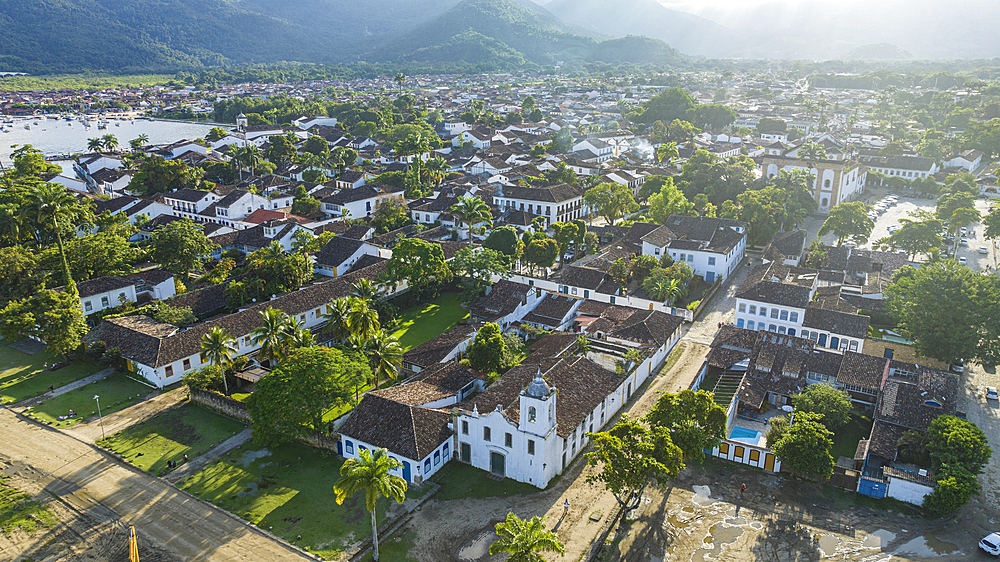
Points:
[459,480]
[189,430]
[23,376]
[290,492]
[845,440]
[117,392]
[429,320]
[19,511]
[396,548]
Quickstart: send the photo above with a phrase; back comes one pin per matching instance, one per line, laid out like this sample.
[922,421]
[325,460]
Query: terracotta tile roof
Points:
[436,349]
[865,371]
[408,431]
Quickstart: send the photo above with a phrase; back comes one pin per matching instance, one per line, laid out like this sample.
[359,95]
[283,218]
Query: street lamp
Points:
[98,398]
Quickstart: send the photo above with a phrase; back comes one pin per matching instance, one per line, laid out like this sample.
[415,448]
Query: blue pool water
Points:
[745,435]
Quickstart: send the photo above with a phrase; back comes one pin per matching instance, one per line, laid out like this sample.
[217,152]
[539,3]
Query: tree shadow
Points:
[782,540]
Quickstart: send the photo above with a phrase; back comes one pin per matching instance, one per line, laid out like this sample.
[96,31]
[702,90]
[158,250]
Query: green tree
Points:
[159,175]
[694,420]
[181,246]
[95,144]
[215,133]
[471,210]
[917,234]
[713,117]
[336,318]
[384,354]
[477,267]
[280,149]
[666,153]
[849,220]
[804,446]
[720,179]
[96,255]
[957,442]
[629,456]
[369,473]
[834,405]
[542,252]
[669,201]
[52,207]
[219,348]
[487,351]
[290,400]
[418,262]
[210,377]
[504,239]
[20,277]
[524,540]
[271,335]
[54,317]
[611,200]
[771,125]
[670,104]
[992,224]
[947,310]
[110,142]
[955,487]
[562,141]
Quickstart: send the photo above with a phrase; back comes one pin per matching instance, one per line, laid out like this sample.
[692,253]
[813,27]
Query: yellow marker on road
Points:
[133,546]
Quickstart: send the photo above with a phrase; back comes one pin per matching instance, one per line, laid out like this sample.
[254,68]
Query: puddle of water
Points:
[677,523]
[252,490]
[879,539]
[250,456]
[687,509]
[702,496]
[719,535]
[478,548]
[736,521]
[756,525]
[927,546]
[828,545]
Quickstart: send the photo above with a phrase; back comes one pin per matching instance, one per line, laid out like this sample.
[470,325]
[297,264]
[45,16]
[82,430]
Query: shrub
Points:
[95,351]
[693,305]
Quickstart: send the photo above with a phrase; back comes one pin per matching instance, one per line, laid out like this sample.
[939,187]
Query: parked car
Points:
[959,367]
[991,544]
[963,242]
[962,260]
[991,393]
[983,250]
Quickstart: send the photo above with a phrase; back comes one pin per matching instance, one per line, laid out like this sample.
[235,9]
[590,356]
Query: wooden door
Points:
[738,455]
[497,464]
[769,462]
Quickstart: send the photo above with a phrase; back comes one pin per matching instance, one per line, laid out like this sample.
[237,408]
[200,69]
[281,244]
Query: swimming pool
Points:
[745,435]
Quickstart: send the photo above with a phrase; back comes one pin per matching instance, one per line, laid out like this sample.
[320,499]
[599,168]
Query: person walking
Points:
[743,488]
[565,507]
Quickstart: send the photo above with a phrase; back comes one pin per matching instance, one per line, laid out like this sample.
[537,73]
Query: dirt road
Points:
[92,483]
[462,529]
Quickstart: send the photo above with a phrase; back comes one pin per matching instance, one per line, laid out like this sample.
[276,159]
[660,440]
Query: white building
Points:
[103,293]
[557,203]
[712,247]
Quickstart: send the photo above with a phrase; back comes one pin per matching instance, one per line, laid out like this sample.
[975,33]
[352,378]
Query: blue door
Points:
[406,471]
[822,340]
[340,448]
[709,276]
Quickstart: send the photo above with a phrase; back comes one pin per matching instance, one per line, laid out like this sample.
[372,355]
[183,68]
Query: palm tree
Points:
[362,321]
[471,210]
[385,355]
[523,540]
[399,79]
[95,144]
[336,317]
[52,206]
[300,337]
[11,223]
[110,142]
[436,168]
[272,334]
[252,158]
[139,142]
[811,153]
[369,473]
[413,144]
[219,348]
[268,254]
[666,153]
[365,289]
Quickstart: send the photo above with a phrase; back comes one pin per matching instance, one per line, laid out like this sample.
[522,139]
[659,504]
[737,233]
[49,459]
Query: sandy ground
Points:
[79,475]
[462,529]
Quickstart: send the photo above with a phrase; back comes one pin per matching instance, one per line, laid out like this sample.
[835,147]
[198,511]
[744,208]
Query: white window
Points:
[87,306]
[794,317]
[105,302]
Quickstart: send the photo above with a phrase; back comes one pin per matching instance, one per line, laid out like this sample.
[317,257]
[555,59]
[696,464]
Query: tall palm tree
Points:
[51,206]
[252,157]
[385,355]
[413,144]
[336,317]
[110,142]
[143,138]
[523,540]
[435,169]
[11,223]
[471,210]
[369,473]
[362,320]
[268,254]
[272,334]
[811,153]
[95,144]
[219,348]
[399,79]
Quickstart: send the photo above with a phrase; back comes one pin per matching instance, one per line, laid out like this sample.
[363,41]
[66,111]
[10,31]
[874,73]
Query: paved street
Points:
[88,480]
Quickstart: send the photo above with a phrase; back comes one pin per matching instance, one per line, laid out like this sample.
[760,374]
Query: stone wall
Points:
[222,404]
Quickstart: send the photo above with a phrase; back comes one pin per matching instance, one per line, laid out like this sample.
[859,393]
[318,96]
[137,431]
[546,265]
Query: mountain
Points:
[119,35]
[44,36]
[526,28]
[686,32]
